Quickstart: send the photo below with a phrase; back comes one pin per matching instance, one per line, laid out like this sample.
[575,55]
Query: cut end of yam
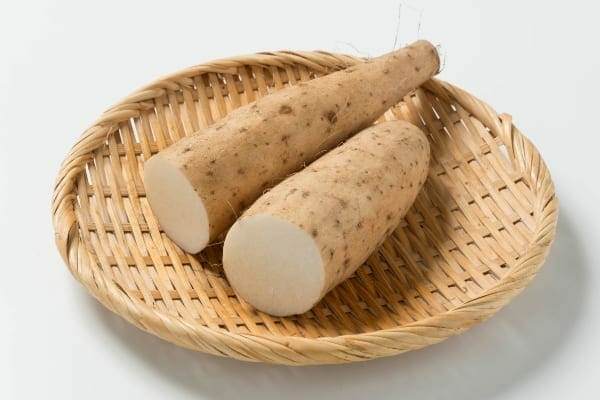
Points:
[176,205]
[274,264]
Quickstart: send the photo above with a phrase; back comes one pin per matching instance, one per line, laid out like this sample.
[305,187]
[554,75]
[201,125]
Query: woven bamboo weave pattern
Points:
[476,236]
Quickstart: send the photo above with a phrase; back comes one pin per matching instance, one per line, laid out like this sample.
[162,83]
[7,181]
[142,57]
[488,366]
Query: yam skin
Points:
[312,231]
[230,163]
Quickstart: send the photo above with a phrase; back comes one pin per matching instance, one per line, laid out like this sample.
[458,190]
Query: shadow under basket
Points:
[476,236]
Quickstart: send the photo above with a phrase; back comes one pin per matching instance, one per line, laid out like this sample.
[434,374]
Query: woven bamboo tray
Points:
[476,236]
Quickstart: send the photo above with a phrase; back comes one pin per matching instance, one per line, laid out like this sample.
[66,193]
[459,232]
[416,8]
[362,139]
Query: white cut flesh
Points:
[183,215]
[273,264]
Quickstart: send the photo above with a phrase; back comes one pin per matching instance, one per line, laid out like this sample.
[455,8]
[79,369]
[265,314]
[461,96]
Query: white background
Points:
[63,62]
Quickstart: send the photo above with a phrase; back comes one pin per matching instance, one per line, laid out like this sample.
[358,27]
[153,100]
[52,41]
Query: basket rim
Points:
[297,350]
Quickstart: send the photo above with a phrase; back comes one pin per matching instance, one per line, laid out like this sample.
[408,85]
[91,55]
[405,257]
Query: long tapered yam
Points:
[312,231]
[197,186]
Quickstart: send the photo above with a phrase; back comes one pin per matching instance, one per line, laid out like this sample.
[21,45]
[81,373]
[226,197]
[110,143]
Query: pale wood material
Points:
[476,236]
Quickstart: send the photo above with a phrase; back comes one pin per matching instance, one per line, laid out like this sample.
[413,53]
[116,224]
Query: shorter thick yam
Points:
[312,231]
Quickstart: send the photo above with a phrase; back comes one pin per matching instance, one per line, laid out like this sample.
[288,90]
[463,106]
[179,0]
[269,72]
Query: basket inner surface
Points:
[469,225]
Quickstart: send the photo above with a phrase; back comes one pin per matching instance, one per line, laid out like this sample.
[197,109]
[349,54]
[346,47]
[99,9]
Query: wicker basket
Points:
[476,236]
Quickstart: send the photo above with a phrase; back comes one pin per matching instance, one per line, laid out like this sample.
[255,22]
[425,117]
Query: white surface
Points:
[62,63]
[175,203]
[291,281]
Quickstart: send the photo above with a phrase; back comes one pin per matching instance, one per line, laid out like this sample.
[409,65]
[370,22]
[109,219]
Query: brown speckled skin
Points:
[231,162]
[352,198]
